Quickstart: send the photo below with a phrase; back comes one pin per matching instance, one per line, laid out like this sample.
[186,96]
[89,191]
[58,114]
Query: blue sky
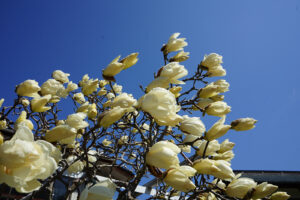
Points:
[259,41]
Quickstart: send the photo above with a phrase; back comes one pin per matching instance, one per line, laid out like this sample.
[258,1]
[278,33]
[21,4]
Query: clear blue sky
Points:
[259,41]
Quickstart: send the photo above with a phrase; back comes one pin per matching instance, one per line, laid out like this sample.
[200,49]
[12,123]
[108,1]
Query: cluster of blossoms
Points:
[111,129]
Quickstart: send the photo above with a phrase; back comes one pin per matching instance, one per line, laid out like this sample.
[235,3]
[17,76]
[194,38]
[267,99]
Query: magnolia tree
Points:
[158,135]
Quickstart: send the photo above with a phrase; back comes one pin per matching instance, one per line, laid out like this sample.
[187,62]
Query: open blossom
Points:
[262,190]
[243,124]
[175,43]
[60,76]
[161,104]
[192,125]
[124,100]
[217,130]
[117,88]
[218,109]
[88,86]
[227,156]
[38,104]
[24,161]
[214,89]
[240,187]
[178,178]
[163,154]
[130,60]
[52,86]
[104,190]
[76,120]
[173,71]
[212,60]
[28,88]
[217,168]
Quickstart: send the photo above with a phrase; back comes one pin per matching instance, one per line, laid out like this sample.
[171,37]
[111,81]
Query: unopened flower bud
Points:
[22,120]
[243,124]
[123,140]
[175,90]
[102,92]
[226,145]
[79,98]
[3,124]
[109,117]
[262,190]
[130,60]
[180,57]
[112,69]
[103,83]
[217,130]
[279,196]
[1,102]
[106,142]
[25,102]
[218,109]
[192,125]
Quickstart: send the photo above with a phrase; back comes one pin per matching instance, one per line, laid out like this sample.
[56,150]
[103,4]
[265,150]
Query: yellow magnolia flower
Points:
[24,161]
[23,121]
[264,189]
[174,44]
[108,118]
[61,133]
[180,57]
[28,88]
[192,125]
[60,76]
[243,124]
[218,109]
[104,190]
[217,130]
[163,154]
[130,60]
[178,178]
[38,103]
[238,188]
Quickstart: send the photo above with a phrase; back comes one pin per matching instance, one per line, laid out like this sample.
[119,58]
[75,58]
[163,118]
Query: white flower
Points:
[173,71]
[161,104]
[113,68]
[123,140]
[117,88]
[162,82]
[110,95]
[60,76]
[163,154]
[211,149]
[216,71]
[238,188]
[3,124]
[175,44]
[204,102]
[61,133]
[53,87]
[1,102]
[28,88]
[124,100]
[279,196]
[88,86]
[79,98]
[22,120]
[218,109]
[192,125]
[38,103]
[24,161]
[217,168]
[178,178]
[212,60]
[75,166]
[180,57]
[243,124]
[217,130]
[76,120]
[129,60]
[214,89]
[103,190]
[108,118]
[25,102]
[226,145]
[262,190]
